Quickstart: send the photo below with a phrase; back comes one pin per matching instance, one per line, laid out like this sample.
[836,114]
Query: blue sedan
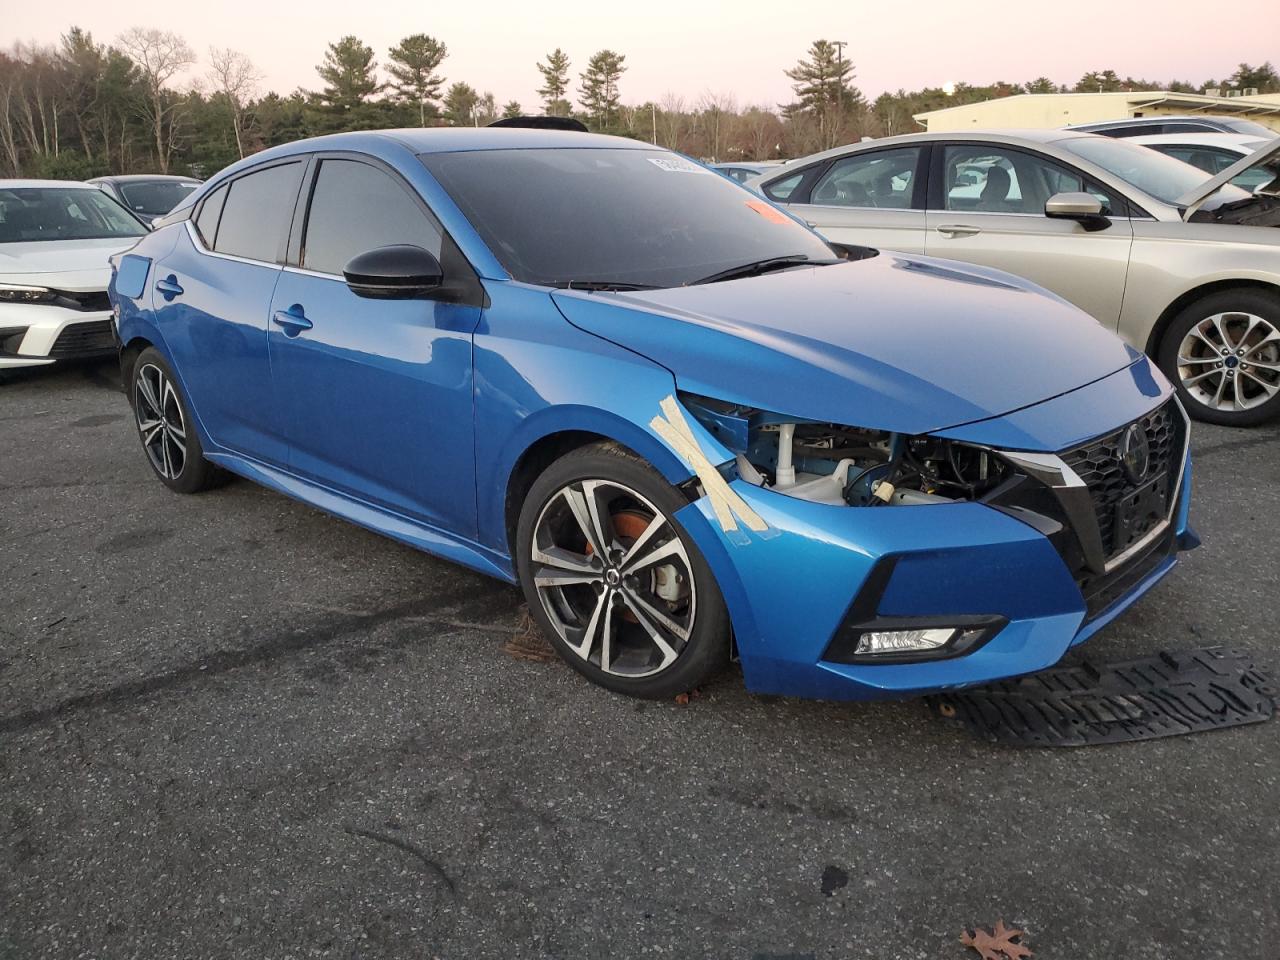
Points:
[683,423]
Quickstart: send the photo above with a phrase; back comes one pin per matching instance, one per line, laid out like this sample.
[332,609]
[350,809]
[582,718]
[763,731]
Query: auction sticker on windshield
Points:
[677,165]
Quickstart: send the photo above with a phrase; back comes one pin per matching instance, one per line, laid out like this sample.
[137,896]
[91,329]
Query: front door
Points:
[987,207]
[377,393]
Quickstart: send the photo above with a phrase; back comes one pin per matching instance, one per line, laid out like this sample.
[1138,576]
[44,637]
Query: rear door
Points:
[986,206]
[376,394]
[213,297]
[872,198]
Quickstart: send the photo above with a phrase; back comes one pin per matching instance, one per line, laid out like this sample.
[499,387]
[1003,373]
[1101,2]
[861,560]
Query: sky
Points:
[692,48]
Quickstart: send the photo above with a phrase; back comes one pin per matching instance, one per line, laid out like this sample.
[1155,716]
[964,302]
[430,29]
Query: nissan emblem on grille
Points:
[1135,453]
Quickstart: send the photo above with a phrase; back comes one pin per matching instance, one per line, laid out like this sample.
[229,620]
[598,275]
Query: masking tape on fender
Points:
[729,507]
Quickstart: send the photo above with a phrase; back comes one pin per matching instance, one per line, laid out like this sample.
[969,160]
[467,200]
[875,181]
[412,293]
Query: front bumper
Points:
[32,335]
[790,588]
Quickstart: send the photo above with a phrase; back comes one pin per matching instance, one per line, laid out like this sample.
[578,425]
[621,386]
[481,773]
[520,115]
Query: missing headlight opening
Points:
[844,465]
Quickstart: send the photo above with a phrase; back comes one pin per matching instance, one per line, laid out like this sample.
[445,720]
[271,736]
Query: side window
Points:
[882,178]
[206,221]
[981,178]
[780,190]
[355,208]
[256,213]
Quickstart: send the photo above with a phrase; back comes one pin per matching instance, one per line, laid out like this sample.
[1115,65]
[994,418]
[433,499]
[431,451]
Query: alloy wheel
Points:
[160,422]
[614,578]
[1230,361]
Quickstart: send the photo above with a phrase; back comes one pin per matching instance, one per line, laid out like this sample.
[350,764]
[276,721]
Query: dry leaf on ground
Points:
[1003,943]
[527,641]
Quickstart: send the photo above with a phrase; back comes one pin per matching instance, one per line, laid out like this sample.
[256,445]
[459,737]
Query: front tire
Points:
[1223,354]
[614,581]
[165,427]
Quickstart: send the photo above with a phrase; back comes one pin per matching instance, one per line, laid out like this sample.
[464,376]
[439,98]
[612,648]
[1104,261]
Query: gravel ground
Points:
[232,726]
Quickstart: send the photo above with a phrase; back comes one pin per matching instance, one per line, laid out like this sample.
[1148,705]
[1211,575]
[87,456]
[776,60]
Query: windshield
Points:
[155,198]
[30,214]
[643,217]
[1152,172]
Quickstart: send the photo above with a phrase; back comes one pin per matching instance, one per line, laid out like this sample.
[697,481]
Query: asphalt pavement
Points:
[233,726]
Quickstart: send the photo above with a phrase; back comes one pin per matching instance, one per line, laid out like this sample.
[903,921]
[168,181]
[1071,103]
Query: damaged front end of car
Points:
[1004,560]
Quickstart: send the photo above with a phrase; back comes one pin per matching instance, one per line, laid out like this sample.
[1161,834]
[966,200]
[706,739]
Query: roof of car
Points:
[456,139]
[136,177]
[26,184]
[1205,138]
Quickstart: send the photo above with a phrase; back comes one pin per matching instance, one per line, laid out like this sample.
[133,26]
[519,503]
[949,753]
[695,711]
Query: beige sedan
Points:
[1184,268]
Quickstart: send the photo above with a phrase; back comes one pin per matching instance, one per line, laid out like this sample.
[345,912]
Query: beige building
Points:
[1060,109]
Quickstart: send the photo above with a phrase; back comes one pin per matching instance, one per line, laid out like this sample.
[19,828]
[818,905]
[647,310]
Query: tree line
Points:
[147,103]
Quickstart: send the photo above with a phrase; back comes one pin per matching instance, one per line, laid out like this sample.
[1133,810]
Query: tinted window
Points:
[782,189]
[989,179]
[256,214]
[154,198]
[356,208]
[636,216]
[30,214]
[882,178]
[207,218]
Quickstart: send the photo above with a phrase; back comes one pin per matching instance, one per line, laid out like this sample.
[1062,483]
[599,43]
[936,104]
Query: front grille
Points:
[89,301]
[1104,589]
[83,340]
[1097,463]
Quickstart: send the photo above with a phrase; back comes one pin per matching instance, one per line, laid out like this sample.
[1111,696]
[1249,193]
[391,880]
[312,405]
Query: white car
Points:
[1214,152]
[55,238]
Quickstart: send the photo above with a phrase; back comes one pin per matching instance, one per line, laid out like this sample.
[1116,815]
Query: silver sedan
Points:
[1185,268]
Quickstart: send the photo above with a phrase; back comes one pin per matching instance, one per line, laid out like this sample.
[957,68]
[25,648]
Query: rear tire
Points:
[166,428]
[614,581]
[1223,354]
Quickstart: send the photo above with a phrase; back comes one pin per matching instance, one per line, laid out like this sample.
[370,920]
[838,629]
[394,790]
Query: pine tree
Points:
[599,88]
[824,86]
[348,73]
[412,64]
[555,84]
[511,109]
[460,105]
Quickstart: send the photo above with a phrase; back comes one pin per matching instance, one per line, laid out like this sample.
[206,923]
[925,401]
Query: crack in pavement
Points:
[226,661]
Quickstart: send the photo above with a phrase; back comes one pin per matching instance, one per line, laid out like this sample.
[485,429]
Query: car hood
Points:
[909,344]
[65,264]
[1190,201]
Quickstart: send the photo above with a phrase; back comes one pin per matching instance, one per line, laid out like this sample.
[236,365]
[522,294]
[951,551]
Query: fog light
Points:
[902,641]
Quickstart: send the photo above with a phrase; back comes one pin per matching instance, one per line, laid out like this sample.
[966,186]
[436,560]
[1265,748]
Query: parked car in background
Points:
[148,196]
[1091,219]
[668,410]
[1214,152]
[1151,126]
[742,172]
[55,238]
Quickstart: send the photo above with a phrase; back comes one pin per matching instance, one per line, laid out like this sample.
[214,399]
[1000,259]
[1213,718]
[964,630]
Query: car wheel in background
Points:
[614,581]
[1223,354]
[165,428]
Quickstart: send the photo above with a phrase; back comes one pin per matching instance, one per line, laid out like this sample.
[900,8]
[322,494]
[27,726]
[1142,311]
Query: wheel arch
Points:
[544,448]
[1199,292]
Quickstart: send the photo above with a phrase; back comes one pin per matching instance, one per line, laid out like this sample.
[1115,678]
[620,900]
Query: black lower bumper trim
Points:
[1161,696]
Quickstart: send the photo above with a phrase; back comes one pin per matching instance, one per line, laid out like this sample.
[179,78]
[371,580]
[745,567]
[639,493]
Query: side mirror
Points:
[1084,208]
[400,272]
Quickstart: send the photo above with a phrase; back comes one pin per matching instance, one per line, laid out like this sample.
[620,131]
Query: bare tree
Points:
[716,109]
[672,121]
[234,76]
[159,56]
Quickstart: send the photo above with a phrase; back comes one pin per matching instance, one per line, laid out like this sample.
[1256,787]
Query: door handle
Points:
[294,320]
[958,230]
[169,287]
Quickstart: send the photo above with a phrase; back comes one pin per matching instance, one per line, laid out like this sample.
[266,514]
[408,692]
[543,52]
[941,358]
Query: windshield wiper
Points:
[756,267]
[590,285]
